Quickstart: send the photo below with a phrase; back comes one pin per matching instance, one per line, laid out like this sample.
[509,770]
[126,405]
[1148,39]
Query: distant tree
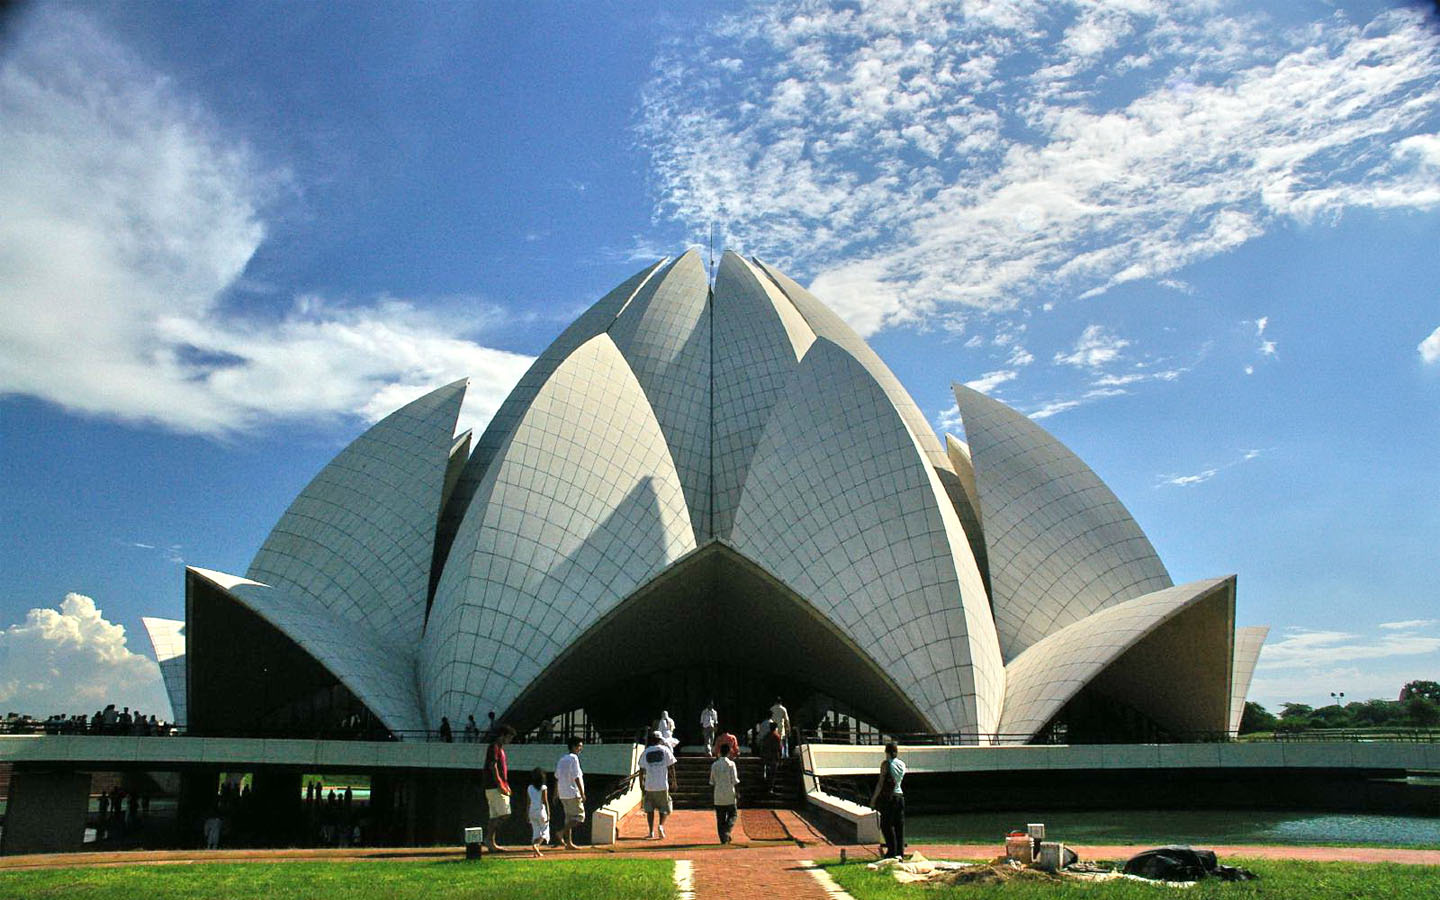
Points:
[1296,712]
[1430,690]
[1375,713]
[1256,718]
[1332,716]
[1422,711]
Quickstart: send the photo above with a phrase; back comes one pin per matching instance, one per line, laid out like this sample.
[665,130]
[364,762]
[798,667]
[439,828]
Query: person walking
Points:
[770,754]
[709,718]
[728,739]
[570,788]
[656,763]
[724,778]
[497,785]
[780,721]
[539,796]
[889,799]
[665,727]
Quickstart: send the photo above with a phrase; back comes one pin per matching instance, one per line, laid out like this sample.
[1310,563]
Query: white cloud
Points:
[991,380]
[1302,648]
[72,660]
[1408,624]
[129,215]
[1207,473]
[1430,348]
[976,163]
[1094,348]
[1187,480]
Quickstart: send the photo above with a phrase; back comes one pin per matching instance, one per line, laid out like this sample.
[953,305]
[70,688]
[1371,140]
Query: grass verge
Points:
[1279,879]
[545,879]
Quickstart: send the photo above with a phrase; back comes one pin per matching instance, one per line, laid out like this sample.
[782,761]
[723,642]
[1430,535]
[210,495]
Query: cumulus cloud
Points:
[1094,348]
[1430,348]
[991,380]
[130,216]
[73,660]
[960,160]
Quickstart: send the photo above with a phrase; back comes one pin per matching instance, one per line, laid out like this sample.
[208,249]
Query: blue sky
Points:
[1196,240]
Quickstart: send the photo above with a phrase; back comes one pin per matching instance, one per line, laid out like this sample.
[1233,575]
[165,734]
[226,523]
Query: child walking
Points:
[539,810]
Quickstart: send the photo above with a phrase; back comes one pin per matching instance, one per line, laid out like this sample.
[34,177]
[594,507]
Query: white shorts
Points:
[499,803]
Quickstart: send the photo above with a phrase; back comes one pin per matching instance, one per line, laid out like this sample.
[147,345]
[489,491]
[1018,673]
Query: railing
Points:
[1000,739]
[620,789]
[838,789]
[339,733]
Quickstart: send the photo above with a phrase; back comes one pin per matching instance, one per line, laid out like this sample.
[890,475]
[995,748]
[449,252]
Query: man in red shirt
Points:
[497,785]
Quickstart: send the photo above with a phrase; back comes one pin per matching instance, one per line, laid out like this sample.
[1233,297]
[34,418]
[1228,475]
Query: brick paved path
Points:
[742,876]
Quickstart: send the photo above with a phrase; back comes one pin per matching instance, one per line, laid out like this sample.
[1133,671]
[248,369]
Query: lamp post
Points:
[1337,697]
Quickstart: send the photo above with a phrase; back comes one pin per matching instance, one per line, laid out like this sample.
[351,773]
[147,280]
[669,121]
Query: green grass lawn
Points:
[1279,880]
[510,879]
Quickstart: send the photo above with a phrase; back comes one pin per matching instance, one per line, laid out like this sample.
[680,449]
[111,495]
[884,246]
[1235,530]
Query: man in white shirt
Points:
[781,717]
[570,787]
[655,763]
[724,777]
[709,718]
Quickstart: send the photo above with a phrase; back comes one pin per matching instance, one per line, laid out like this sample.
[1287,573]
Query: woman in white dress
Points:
[666,726]
[539,810]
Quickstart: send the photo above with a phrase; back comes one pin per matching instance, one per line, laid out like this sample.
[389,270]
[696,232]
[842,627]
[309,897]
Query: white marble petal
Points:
[1060,545]
[664,333]
[842,505]
[380,672]
[1248,642]
[581,505]
[1044,678]
[358,540]
[759,339]
[167,637]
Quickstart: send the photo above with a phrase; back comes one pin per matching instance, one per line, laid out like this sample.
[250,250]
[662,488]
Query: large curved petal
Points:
[759,339]
[167,637]
[1060,545]
[842,506]
[595,320]
[581,505]
[1248,642]
[358,539]
[825,323]
[1166,654]
[380,673]
[664,334]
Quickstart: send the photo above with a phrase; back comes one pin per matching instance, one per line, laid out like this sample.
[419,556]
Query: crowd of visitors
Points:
[105,721]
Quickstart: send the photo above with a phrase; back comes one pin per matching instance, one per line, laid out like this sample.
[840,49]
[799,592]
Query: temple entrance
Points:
[715,625]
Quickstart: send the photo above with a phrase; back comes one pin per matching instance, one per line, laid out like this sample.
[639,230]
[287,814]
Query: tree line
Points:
[1417,707]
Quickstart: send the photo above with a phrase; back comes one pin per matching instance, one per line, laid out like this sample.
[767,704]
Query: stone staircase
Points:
[693,791]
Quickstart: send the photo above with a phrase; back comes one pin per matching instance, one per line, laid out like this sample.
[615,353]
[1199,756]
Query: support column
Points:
[46,812]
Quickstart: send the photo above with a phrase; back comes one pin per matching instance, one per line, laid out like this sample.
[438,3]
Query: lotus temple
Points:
[709,490]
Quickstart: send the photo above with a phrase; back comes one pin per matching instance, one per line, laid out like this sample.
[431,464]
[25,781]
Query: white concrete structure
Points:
[695,480]
[167,639]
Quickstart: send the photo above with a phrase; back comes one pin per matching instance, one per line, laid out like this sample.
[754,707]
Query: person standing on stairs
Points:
[780,721]
[709,718]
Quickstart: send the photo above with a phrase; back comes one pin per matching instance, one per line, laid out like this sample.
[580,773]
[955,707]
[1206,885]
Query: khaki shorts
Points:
[657,801]
[574,809]
[499,803]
